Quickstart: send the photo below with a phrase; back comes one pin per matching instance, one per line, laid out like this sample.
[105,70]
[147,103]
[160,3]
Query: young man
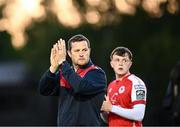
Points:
[81,88]
[126,96]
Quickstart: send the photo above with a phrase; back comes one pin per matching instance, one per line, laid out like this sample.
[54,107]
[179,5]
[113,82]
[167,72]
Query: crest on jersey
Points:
[121,89]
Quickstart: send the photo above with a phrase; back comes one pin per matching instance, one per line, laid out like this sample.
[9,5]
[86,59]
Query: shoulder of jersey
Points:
[135,80]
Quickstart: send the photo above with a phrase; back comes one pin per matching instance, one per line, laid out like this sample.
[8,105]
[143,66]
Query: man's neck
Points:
[120,77]
[76,67]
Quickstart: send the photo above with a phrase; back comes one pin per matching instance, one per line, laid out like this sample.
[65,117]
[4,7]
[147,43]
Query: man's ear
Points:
[111,64]
[131,64]
[69,53]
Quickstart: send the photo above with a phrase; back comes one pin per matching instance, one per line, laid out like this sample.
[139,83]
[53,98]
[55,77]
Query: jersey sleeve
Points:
[139,91]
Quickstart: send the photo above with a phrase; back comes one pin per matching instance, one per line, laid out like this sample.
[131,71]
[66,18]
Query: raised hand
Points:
[58,55]
[61,51]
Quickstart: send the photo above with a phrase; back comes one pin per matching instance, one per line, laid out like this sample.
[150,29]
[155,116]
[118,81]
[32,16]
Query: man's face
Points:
[121,64]
[80,53]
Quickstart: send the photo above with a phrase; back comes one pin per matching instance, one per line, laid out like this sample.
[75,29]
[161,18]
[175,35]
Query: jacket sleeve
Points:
[93,82]
[49,84]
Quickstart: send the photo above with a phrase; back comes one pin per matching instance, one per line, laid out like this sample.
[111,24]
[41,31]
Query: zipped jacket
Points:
[80,93]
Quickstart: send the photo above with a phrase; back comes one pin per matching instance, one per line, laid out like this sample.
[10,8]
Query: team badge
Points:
[121,89]
[140,94]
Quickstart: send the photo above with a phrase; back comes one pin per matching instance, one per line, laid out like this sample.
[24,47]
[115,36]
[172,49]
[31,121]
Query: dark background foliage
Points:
[153,41]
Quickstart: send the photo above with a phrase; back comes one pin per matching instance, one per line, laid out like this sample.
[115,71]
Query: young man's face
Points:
[121,64]
[80,53]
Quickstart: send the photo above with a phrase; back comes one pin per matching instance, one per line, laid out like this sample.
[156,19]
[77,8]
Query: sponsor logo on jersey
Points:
[110,90]
[140,94]
[139,87]
[114,98]
[121,89]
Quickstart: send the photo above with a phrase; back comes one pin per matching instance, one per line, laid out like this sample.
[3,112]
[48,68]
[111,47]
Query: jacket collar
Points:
[87,65]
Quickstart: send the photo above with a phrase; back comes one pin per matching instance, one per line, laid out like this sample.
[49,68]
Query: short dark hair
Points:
[121,51]
[78,37]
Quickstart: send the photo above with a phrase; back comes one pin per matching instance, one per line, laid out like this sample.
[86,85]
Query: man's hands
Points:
[106,106]
[58,55]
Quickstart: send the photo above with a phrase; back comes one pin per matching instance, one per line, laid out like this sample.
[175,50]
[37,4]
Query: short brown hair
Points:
[78,37]
[121,51]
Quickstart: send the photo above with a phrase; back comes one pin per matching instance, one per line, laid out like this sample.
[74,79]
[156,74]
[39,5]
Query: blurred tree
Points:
[153,41]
